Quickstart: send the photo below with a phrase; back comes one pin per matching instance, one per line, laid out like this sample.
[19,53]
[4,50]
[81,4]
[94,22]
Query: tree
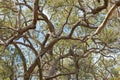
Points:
[63,39]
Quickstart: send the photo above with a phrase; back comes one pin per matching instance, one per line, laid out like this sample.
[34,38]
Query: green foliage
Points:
[109,35]
[5,70]
[91,59]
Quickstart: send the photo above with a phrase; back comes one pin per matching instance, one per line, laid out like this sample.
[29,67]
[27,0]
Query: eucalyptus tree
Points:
[63,39]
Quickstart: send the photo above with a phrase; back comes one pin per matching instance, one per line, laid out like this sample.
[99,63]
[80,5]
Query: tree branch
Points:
[108,15]
[73,28]
[100,8]
[49,23]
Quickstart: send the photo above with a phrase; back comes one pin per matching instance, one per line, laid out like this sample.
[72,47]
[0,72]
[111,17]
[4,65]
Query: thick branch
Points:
[45,40]
[100,8]
[50,25]
[35,13]
[108,15]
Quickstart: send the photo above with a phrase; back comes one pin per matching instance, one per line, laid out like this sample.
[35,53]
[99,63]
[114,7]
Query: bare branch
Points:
[108,15]
[74,27]
[35,13]
[50,25]
[22,57]
[45,40]
[100,8]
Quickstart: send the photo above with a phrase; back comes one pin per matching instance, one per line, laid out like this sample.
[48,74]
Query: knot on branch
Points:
[117,3]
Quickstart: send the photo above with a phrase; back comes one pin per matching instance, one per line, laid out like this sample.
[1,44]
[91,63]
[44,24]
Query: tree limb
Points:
[108,15]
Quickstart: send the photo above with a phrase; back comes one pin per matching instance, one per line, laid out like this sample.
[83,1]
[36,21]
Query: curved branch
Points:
[49,23]
[22,57]
[73,28]
[100,8]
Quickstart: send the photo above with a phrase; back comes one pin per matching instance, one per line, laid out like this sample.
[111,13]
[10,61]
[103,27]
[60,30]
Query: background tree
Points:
[62,40]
